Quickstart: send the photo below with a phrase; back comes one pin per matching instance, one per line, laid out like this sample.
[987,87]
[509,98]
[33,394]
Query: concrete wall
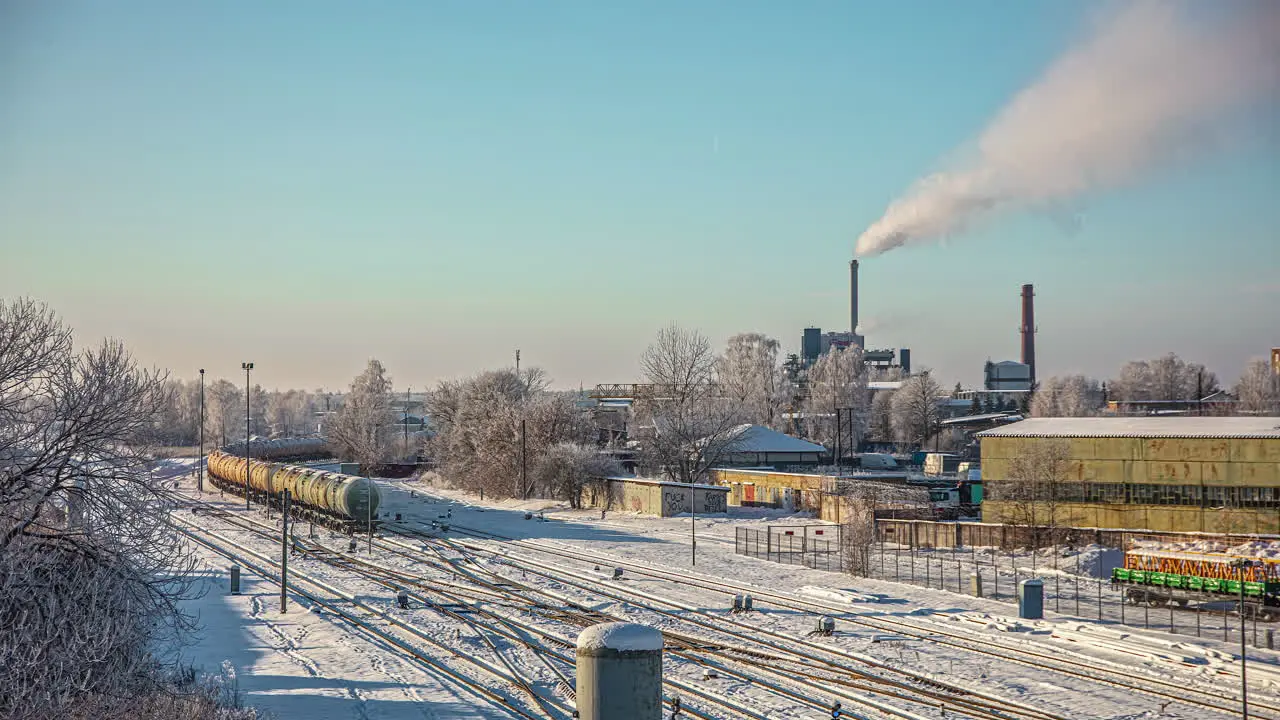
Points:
[1207,463]
[653,497]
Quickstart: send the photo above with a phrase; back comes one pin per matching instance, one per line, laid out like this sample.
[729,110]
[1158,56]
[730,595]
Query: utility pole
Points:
[1240,565]
[517,363]
[247,390]
[368,505]
[407,392]
[200,462]
[693,523]
[836,447]
[524,477]
[284,555]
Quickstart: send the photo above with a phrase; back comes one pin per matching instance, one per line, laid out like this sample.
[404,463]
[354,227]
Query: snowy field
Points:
[306,664]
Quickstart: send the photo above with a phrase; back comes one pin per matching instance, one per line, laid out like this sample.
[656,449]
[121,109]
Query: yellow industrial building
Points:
[1173,474]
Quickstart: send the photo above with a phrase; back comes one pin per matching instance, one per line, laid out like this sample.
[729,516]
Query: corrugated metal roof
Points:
[1142,427]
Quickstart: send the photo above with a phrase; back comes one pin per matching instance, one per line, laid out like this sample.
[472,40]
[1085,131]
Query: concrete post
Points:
[619,672]
[235,579]
[1031,599]
[1271,639]
[975,584]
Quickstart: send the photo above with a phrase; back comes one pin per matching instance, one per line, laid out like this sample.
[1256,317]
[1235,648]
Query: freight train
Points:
[1159,576]
[346,502]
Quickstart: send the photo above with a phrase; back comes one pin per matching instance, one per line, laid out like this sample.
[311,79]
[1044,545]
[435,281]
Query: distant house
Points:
[759,447]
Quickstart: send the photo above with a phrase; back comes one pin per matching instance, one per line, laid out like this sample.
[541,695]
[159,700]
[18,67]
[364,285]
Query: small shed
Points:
[659,497]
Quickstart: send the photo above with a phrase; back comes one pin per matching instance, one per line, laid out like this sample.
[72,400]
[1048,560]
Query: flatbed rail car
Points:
[1161,577]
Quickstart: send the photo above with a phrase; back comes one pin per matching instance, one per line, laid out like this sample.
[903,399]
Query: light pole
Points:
[1240,565]
[200,461]
[407,392]
[246,367]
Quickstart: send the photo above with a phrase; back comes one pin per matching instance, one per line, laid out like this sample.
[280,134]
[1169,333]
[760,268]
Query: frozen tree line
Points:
[1166,378]
[91,571]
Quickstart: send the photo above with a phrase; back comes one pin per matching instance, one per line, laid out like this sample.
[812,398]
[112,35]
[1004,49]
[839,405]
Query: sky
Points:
[309,184]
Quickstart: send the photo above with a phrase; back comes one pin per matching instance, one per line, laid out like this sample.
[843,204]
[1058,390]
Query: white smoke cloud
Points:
[1119,107]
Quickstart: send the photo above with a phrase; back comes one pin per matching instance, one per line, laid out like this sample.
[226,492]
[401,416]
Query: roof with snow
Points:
[884,385]
[760,439]
[1141,427]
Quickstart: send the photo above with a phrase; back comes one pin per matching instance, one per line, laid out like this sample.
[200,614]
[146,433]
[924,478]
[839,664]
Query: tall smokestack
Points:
[853,296]
[1029,329]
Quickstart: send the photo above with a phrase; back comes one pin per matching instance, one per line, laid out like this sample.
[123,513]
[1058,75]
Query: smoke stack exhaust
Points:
[1029,329]
[853,296]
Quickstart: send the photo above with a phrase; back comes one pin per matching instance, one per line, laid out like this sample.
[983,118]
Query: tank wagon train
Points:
[1161,576]
[345,502]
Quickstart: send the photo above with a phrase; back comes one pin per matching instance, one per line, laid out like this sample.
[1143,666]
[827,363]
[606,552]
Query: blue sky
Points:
[309,184]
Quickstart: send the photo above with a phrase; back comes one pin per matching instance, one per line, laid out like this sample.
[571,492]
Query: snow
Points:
[623,637]
[305,664]
[760,439]
[1198,549]
[1142,427]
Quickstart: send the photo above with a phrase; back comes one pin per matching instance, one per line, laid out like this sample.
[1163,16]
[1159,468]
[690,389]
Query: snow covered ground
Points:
[306,665]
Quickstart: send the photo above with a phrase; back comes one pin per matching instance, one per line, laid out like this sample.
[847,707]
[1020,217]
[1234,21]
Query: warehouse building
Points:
[1196,474]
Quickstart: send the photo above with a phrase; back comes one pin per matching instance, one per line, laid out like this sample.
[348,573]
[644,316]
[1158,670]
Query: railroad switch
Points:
[402,599]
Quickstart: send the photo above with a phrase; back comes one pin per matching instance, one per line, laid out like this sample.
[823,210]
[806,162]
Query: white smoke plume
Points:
[1114,110]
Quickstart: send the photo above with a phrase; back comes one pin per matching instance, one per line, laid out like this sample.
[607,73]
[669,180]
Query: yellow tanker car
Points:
[316,494]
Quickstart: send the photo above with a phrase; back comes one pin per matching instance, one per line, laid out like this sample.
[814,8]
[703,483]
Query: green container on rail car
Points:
[358,498]
[1138,576]
[1155,578]
[1195,582]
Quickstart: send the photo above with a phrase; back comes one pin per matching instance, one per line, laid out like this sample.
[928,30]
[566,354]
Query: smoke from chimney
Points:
[1029,329]
[1141,93]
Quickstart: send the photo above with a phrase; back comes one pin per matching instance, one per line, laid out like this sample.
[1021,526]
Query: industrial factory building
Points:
[1180,474]
[814,343]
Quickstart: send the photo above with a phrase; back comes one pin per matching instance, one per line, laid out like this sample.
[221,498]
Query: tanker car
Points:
[346,502]
[1159,576]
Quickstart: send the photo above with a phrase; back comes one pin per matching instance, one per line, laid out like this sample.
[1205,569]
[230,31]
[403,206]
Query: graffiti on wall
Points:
[673,502]
[714,502]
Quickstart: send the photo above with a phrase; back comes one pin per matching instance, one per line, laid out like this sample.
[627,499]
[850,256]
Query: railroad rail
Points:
[1165,690]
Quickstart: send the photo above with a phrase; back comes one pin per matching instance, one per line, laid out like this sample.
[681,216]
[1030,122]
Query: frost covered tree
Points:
[91,571]
[567,469]
[478,440]
[289,413]
[1168,377]
[689,425]
[837,381]
[915,409]
[749,374]
[880,427]
[1067,396]
[1258,390]
[359,431]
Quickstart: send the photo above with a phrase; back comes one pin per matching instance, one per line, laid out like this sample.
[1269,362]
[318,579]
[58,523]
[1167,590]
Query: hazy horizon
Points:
[308,185]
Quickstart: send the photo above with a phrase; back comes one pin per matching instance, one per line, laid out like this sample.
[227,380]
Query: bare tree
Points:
[567,469]
[1034,488]
[359,432]
[690,426]
[750,375]
[1067,396]
[837,382]
[1259,389]
[91,571]
[880,427]
[480,439]
[915,409]
[1168,377]
[858,527]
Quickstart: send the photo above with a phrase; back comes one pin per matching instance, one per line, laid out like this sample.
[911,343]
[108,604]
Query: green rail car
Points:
[1261,599]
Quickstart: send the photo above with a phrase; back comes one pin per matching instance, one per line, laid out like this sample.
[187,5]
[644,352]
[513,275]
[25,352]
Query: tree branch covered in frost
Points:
[91,568]
[567,469]
[915,409]
[1067,396]
[690,426]
[750,375]
[477,441]
[837,381]
[360,432]
[1168,377]
[1259,389]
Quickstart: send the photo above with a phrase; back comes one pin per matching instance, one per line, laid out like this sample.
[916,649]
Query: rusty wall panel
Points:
[1117,449]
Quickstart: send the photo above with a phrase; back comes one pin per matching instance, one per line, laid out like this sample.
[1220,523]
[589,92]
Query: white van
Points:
[878,461]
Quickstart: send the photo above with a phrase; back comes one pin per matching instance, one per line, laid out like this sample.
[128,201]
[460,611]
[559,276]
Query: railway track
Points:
[504,626]
[1164,690]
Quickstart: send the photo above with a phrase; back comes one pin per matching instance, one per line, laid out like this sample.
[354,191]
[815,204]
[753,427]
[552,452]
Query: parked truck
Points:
[953,503]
